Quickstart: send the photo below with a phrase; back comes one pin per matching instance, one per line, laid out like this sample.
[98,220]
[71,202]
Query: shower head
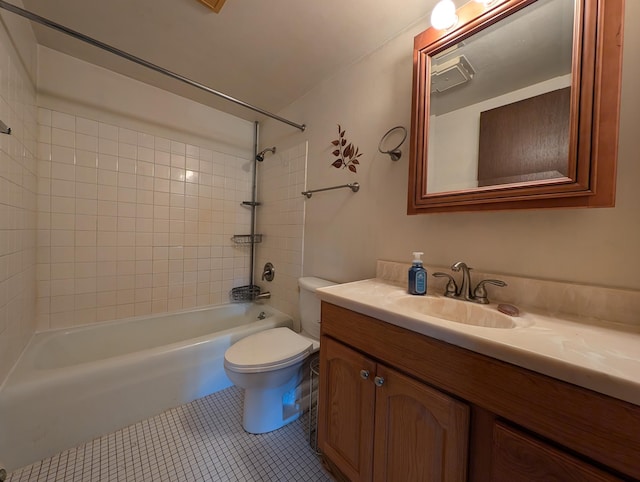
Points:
[260,155]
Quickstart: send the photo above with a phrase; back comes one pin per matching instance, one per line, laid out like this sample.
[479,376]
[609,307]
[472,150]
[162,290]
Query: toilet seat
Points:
[267,350]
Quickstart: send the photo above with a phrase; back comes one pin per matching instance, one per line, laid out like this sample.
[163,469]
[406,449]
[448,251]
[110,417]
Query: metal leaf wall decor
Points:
[346,153]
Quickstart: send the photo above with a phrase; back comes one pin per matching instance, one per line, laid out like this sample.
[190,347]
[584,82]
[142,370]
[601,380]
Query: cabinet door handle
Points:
[379,381]
[364,374]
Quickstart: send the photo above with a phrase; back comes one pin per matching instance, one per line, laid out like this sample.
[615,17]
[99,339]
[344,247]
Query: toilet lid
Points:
[267,350]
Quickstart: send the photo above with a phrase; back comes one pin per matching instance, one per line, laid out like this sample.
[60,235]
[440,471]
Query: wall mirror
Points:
[516,106]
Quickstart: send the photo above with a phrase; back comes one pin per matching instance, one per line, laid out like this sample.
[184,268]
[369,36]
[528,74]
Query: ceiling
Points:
[264,52]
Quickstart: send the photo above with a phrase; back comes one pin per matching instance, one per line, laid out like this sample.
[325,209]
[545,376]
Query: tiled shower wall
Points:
[130,223]
[18,183]
[280,218]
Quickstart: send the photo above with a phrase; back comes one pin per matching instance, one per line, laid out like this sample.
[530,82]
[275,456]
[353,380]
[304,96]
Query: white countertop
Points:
[599,356]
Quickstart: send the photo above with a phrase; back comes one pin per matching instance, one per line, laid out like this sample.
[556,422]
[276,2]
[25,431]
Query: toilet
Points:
[268,365]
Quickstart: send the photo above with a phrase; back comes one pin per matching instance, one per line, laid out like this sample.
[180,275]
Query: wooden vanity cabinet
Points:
[345,428]
[445,413]
[519,457]
[382,425]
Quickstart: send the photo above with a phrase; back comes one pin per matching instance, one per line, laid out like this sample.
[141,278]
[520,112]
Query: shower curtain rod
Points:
[96,43]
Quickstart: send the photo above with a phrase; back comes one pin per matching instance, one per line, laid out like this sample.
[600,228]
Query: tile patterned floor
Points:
[199,441]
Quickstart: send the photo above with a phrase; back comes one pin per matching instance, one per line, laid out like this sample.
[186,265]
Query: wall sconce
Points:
[443,15]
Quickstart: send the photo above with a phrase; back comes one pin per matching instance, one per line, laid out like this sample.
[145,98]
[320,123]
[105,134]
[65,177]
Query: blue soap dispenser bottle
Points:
[417,276]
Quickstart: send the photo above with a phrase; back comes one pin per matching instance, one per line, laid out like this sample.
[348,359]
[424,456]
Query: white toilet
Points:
[268,364]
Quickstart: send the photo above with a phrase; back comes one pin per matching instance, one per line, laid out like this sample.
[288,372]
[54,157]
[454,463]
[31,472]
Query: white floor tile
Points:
[199,441]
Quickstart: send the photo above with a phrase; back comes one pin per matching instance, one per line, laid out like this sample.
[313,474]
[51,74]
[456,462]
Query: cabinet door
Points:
[346,409]
[518,457]
[421,433]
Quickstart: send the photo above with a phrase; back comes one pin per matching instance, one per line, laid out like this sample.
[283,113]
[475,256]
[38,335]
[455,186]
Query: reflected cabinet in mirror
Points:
[517,106]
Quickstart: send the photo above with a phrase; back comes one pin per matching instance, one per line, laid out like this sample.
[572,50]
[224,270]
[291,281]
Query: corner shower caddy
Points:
[250,292]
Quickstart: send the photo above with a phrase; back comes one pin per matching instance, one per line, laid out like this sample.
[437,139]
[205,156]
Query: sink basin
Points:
[459,311]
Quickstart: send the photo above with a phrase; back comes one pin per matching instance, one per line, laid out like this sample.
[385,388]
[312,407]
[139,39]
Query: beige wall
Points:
[18,183]
[345,233]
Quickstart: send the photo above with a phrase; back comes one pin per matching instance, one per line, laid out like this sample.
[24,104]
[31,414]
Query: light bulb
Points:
[444,15]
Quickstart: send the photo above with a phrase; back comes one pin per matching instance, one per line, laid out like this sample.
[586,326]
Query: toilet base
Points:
[268,409]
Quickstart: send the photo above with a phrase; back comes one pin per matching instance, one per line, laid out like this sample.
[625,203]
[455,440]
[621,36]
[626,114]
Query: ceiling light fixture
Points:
[443,15]
[486,3]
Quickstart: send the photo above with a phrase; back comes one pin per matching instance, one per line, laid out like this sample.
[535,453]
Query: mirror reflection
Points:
[500,103]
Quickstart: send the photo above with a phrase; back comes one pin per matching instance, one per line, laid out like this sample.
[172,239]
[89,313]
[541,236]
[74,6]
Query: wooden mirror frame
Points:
[595,107]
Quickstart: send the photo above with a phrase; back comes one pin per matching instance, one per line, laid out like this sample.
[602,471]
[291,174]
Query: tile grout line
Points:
[202,440]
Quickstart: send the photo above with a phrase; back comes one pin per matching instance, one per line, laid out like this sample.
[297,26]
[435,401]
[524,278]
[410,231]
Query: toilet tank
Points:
[310,304]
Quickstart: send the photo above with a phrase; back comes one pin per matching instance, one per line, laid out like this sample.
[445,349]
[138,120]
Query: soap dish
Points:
[508,310]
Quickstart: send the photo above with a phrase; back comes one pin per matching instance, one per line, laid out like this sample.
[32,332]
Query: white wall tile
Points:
[134,221]
[86,142]
[281,222]
[63,121]
[61,137]
[127,136]
[107,131]
[44,117]
[146,140]
[86,158]
[130,151]
[162,144]
[107,146]
[87,127]
[62,154]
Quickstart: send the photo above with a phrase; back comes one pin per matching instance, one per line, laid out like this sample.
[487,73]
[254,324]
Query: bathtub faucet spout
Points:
[263,296]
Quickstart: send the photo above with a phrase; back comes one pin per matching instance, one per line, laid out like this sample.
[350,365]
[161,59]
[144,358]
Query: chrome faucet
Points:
[464,292]
[465,287]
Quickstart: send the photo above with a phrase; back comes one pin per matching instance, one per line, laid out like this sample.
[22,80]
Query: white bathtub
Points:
[72,385]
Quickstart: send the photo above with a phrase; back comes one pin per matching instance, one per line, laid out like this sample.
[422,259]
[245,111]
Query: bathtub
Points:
[72,385]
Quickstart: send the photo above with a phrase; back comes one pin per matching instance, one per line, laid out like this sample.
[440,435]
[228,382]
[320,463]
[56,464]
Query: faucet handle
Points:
[480,293]
[452,288]
[268,272]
